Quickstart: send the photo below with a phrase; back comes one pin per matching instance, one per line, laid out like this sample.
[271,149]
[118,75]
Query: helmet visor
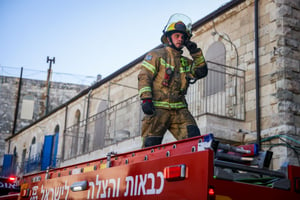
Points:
[177,22]
[179,18]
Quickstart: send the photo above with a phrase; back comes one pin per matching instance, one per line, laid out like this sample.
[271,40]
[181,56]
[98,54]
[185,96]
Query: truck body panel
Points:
[179,170]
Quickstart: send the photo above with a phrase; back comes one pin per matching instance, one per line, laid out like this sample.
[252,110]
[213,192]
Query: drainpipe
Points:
[86,120]
[18,102]
[256,23]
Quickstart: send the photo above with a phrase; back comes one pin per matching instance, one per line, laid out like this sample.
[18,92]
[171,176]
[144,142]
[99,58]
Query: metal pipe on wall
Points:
[257,83]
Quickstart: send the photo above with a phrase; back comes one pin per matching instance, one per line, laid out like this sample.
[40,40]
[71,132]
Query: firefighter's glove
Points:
[201,72]
[148,107]
[192,47]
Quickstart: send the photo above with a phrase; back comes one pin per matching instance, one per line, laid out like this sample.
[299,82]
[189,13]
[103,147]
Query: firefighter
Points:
[163,82]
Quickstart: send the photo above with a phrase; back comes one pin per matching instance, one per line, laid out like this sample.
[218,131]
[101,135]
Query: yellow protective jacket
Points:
[152,77]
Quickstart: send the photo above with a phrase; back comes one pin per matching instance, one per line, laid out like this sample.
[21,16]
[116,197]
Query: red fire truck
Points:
[194,168]
[9,188]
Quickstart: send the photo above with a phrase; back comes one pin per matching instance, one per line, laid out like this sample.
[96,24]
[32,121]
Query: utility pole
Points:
[50,61]
[18,102]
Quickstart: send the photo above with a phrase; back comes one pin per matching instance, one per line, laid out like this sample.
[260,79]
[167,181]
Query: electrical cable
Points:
[283,139]
[278,136]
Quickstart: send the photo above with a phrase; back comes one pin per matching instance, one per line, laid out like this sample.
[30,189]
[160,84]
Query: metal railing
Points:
[221,93]
[33,164]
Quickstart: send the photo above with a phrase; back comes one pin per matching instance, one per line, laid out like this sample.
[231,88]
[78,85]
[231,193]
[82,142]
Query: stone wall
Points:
[286,56]
[33,91]
[279,33]
[279,67]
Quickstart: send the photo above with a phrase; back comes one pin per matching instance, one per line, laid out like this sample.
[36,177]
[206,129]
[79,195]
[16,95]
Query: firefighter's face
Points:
[178,40]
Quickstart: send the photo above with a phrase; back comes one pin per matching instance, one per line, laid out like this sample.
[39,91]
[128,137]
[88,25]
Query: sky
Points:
[87,37]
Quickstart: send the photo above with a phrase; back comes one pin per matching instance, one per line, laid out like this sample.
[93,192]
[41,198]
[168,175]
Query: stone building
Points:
[23,101]
[250,95]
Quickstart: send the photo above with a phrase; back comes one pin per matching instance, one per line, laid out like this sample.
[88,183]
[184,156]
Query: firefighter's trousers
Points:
[179,122]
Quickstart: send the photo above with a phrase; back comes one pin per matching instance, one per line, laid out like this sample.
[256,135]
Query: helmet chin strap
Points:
[172,44]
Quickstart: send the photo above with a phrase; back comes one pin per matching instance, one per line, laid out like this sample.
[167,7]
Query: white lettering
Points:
[113,181]
[152,189]
[142,184]
[7,185]
[93,188]
[45,193]
[138,185]
[52,193]
[98,183]
[67,188]
[58,191]
[118,187]
[162,182]
[129,181]
[34,193]
[109,187]
[104,185]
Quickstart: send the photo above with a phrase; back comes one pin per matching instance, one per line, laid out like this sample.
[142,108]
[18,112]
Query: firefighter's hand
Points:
[201,72]
[192,47]
[148,107]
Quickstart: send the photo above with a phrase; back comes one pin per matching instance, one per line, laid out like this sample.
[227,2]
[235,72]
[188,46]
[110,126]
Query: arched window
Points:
[76,134]
[216,59]
[15,152]
[56,130]
[100,126]
[33,141]
[23,159]
[33,149]
[34,155]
